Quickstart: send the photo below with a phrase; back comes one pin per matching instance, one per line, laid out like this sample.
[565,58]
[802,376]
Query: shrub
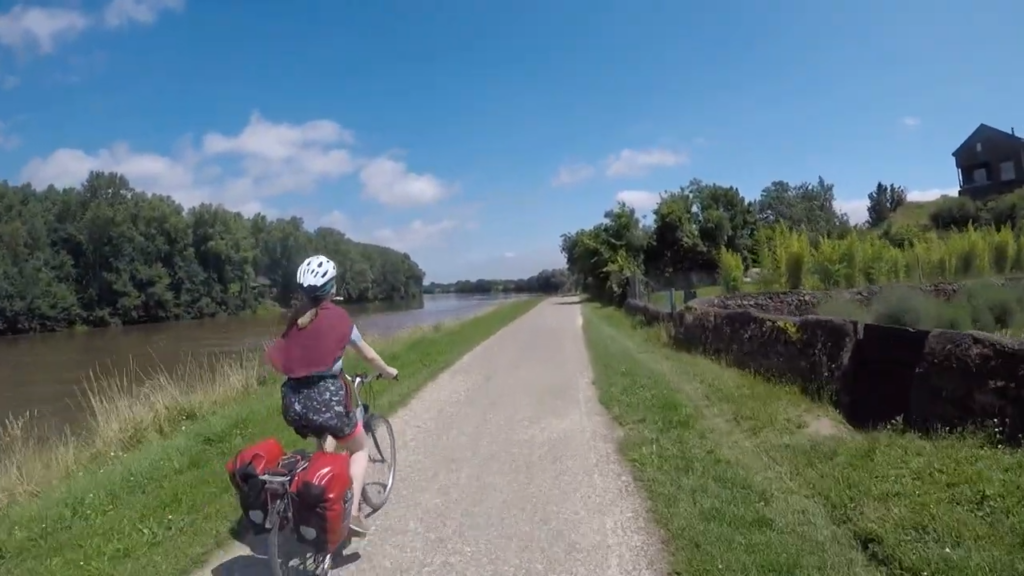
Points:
[841,307]
[730,271]
[1006,210]
[1002,251]
[851,262]
[797,254]
[954,213]
[971,252]
[900,236]
[770,257]
[1017,262]
[902,306]
[788,259]
[827,264]
[985,306]
[993,307]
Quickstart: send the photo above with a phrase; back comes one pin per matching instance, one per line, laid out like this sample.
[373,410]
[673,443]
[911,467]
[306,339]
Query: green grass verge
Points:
[746,477]
[164,507]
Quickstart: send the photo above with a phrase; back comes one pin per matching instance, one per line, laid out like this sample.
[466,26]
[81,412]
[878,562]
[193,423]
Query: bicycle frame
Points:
[358,382]
[276,489]
[363,409]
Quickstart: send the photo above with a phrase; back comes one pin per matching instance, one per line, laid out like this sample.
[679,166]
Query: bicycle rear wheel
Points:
[380,473]
[277,567]
[286,556]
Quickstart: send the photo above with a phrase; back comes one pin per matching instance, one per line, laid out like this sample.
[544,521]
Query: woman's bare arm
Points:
[371,356]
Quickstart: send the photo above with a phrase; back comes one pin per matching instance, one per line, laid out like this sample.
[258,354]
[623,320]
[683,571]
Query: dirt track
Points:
[506,465]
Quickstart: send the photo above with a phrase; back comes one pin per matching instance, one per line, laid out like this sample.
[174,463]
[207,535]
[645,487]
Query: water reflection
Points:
[42,372]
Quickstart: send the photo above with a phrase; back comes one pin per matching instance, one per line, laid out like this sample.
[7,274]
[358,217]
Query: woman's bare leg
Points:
[359,459]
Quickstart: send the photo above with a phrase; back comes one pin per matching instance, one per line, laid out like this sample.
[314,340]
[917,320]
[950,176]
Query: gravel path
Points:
[506,465]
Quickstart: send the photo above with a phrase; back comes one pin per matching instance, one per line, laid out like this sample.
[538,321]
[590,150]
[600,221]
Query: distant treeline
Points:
[106,254]
[546,282]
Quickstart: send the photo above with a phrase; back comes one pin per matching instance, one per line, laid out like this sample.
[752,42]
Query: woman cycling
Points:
[316,398]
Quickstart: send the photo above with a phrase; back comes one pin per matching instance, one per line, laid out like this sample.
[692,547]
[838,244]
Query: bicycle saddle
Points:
[291,463]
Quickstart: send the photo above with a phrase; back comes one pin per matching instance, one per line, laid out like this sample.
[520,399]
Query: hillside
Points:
[915,213]
[950,212]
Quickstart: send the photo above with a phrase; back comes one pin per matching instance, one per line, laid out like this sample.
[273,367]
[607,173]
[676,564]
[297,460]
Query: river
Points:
[42,372]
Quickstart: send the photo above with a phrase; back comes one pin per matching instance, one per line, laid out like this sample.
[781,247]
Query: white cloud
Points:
[630,162]
[155,173]
[510,254]
[911,121]
[122,12]
[857,210]
[389,182]
[627,162]
[264,159]
[40,27]
[276,142]
[8,82]
[572,174]
[8,141]
[641,200]
[281,158]
[252,207]
[242,170]
[418,234]
[930,194]
[336,220]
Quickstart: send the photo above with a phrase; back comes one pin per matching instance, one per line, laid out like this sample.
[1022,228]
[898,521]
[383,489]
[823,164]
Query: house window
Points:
[980,177]
[1006,171]
[977,147]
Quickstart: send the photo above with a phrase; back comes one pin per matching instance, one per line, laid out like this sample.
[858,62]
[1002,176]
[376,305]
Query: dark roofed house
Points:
[990,162]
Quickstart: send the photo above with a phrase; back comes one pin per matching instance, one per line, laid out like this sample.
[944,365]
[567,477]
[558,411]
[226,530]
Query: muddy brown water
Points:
[43,373]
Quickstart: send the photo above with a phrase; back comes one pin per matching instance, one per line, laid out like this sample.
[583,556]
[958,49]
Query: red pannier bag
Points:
[322,502]
[244,471]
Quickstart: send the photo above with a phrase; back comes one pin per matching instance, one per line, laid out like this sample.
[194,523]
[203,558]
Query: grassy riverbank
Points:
[145,492]
[747,477]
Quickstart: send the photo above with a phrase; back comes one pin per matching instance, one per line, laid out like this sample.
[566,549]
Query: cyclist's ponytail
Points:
[302,314]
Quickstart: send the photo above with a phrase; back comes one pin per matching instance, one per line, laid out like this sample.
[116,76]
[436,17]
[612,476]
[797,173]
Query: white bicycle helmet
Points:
[316,276]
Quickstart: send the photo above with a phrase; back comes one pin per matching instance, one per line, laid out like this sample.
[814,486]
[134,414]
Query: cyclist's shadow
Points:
[258,565]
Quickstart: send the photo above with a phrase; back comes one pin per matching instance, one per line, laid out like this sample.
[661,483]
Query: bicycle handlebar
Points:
[361,378]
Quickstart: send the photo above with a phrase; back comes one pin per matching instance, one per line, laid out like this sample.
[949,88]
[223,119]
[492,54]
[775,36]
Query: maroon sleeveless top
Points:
[316,348]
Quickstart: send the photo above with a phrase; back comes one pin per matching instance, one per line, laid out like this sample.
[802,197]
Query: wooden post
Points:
[672,300]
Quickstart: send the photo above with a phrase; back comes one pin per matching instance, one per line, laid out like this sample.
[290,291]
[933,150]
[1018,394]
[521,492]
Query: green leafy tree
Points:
[693,224]
[106,254]
[883,202]
[805,206]
[607,256]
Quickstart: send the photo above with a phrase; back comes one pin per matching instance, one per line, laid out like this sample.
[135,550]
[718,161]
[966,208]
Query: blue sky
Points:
[472,133]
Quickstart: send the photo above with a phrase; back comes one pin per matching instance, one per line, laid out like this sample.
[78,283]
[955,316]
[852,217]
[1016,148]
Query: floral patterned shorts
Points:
[316,406]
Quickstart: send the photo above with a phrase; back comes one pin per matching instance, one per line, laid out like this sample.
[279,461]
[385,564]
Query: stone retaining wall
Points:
[872,373]
[806,302]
